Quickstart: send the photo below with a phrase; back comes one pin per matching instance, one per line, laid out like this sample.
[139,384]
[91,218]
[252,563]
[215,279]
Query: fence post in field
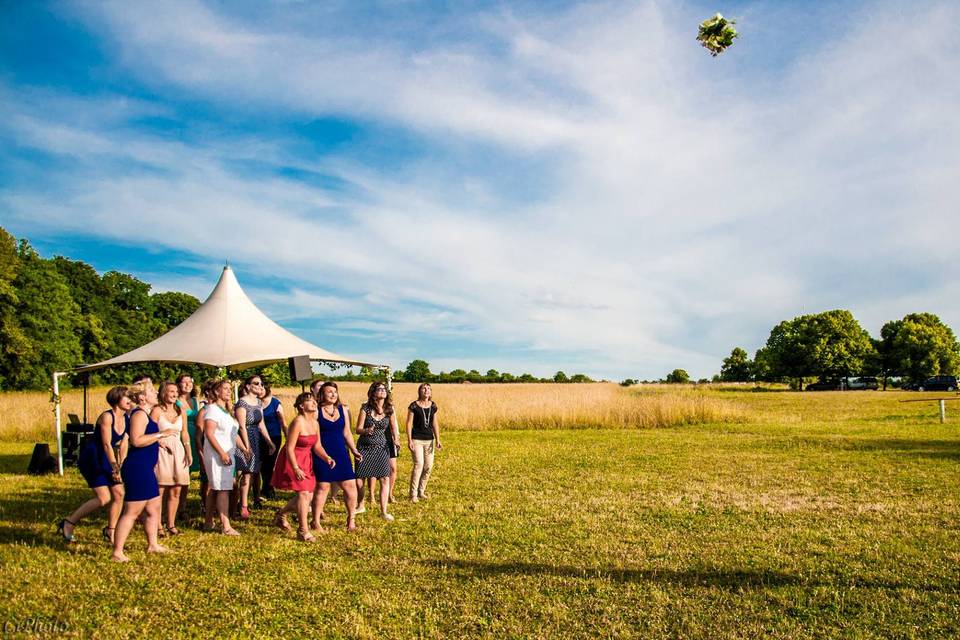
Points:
[56,413]
[943,411]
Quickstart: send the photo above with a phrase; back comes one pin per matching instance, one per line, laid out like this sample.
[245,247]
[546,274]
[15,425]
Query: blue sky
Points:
[525,186]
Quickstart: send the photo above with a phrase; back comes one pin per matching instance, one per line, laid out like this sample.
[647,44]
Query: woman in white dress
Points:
[221,441]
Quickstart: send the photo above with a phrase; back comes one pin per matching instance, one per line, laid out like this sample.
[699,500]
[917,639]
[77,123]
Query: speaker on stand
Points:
[300,370]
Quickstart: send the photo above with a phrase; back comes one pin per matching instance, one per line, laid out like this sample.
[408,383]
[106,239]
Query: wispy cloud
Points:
[583,189]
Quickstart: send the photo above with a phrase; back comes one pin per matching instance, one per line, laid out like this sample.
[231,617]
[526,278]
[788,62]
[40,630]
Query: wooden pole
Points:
[943,412]
[56,413]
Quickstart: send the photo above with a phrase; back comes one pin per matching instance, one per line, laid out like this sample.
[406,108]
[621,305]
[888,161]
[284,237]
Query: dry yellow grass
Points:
[463,407]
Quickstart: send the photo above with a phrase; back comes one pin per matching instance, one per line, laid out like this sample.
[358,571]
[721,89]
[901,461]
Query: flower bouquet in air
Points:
[716,34]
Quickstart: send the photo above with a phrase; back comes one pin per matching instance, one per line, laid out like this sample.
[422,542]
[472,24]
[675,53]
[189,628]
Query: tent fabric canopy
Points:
[227,330]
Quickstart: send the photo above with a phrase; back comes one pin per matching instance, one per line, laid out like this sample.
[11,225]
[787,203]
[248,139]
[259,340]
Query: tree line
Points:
[832,345]
[57,313]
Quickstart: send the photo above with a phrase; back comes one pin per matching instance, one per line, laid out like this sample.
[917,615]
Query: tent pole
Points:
[56,412]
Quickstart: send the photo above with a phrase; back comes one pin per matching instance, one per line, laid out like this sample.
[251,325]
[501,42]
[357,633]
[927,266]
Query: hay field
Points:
[27,416]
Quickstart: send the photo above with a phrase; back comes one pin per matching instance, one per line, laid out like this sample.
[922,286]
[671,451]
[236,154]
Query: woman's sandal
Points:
[67,538]
[305,536]
[281,520]
[107,533]
[172,531]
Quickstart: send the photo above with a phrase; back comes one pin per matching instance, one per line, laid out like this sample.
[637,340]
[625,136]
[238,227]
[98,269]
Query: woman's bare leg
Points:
[223,506]
[303,511]
[349,489]
[384,495]
[393,476]
[101,496]
[131,511]
[319,500]
[116,505]
[173,505]
[152,525]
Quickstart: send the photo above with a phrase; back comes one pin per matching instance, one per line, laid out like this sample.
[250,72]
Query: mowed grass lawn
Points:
[821,515]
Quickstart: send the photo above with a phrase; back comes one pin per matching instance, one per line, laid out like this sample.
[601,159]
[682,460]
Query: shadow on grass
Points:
[725,579]
[942,449]
[14,463]
[693,577]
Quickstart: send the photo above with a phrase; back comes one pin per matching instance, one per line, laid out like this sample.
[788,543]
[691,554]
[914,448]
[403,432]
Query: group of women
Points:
[144,448]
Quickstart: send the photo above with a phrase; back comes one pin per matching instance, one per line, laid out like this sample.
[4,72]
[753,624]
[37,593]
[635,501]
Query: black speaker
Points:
[81,379]
[300,370]
[41,462]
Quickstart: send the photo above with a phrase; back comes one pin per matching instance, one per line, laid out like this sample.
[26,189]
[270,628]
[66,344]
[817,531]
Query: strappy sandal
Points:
[67,538]
[107,533]
[172,531]
[305,536]
[281,520]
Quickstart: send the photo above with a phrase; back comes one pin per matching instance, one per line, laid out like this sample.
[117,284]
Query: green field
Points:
[822,515]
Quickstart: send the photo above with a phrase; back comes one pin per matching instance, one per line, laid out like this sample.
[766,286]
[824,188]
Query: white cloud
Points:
[692,203]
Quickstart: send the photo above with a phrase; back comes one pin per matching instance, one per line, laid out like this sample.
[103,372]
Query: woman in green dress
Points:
[190,405]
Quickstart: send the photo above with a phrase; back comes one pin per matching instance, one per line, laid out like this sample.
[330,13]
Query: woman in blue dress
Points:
[336,439]
[99,464]
[273,419]
[141,491]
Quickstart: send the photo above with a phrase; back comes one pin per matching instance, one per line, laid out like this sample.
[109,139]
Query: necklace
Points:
[426,415]
[330,414]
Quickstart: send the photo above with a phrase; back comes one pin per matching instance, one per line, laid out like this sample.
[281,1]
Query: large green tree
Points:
[14,344]
[172,307]
[49,320]
[917,347]
[736,367]
[828,344]
[418,371]
[678,376]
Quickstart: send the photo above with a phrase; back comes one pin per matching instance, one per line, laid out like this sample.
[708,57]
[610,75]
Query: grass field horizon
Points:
[795,515]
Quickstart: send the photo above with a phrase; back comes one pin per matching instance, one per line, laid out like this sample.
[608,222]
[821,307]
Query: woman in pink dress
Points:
[294,466]
[173,465]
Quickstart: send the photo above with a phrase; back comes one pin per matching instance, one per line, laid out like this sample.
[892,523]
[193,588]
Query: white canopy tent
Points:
[227,330]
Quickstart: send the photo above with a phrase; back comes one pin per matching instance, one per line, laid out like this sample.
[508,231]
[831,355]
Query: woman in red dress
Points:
[294,466]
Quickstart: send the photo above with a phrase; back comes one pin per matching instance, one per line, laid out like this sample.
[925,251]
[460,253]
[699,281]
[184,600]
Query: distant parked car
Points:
[868,383]
[824,385]
[935,383]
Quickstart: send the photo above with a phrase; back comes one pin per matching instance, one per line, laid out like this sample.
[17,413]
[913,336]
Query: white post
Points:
[943,411]
[56,412]
[389,379]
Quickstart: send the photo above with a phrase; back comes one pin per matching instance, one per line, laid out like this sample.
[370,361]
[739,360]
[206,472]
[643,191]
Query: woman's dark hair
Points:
[207,389]
[371,400]
[245,385]
[115,395]
[329,383]
[303,397]
[267,389]
[180,378]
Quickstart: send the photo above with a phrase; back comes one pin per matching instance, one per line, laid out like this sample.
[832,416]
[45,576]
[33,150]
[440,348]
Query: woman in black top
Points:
[423,438]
